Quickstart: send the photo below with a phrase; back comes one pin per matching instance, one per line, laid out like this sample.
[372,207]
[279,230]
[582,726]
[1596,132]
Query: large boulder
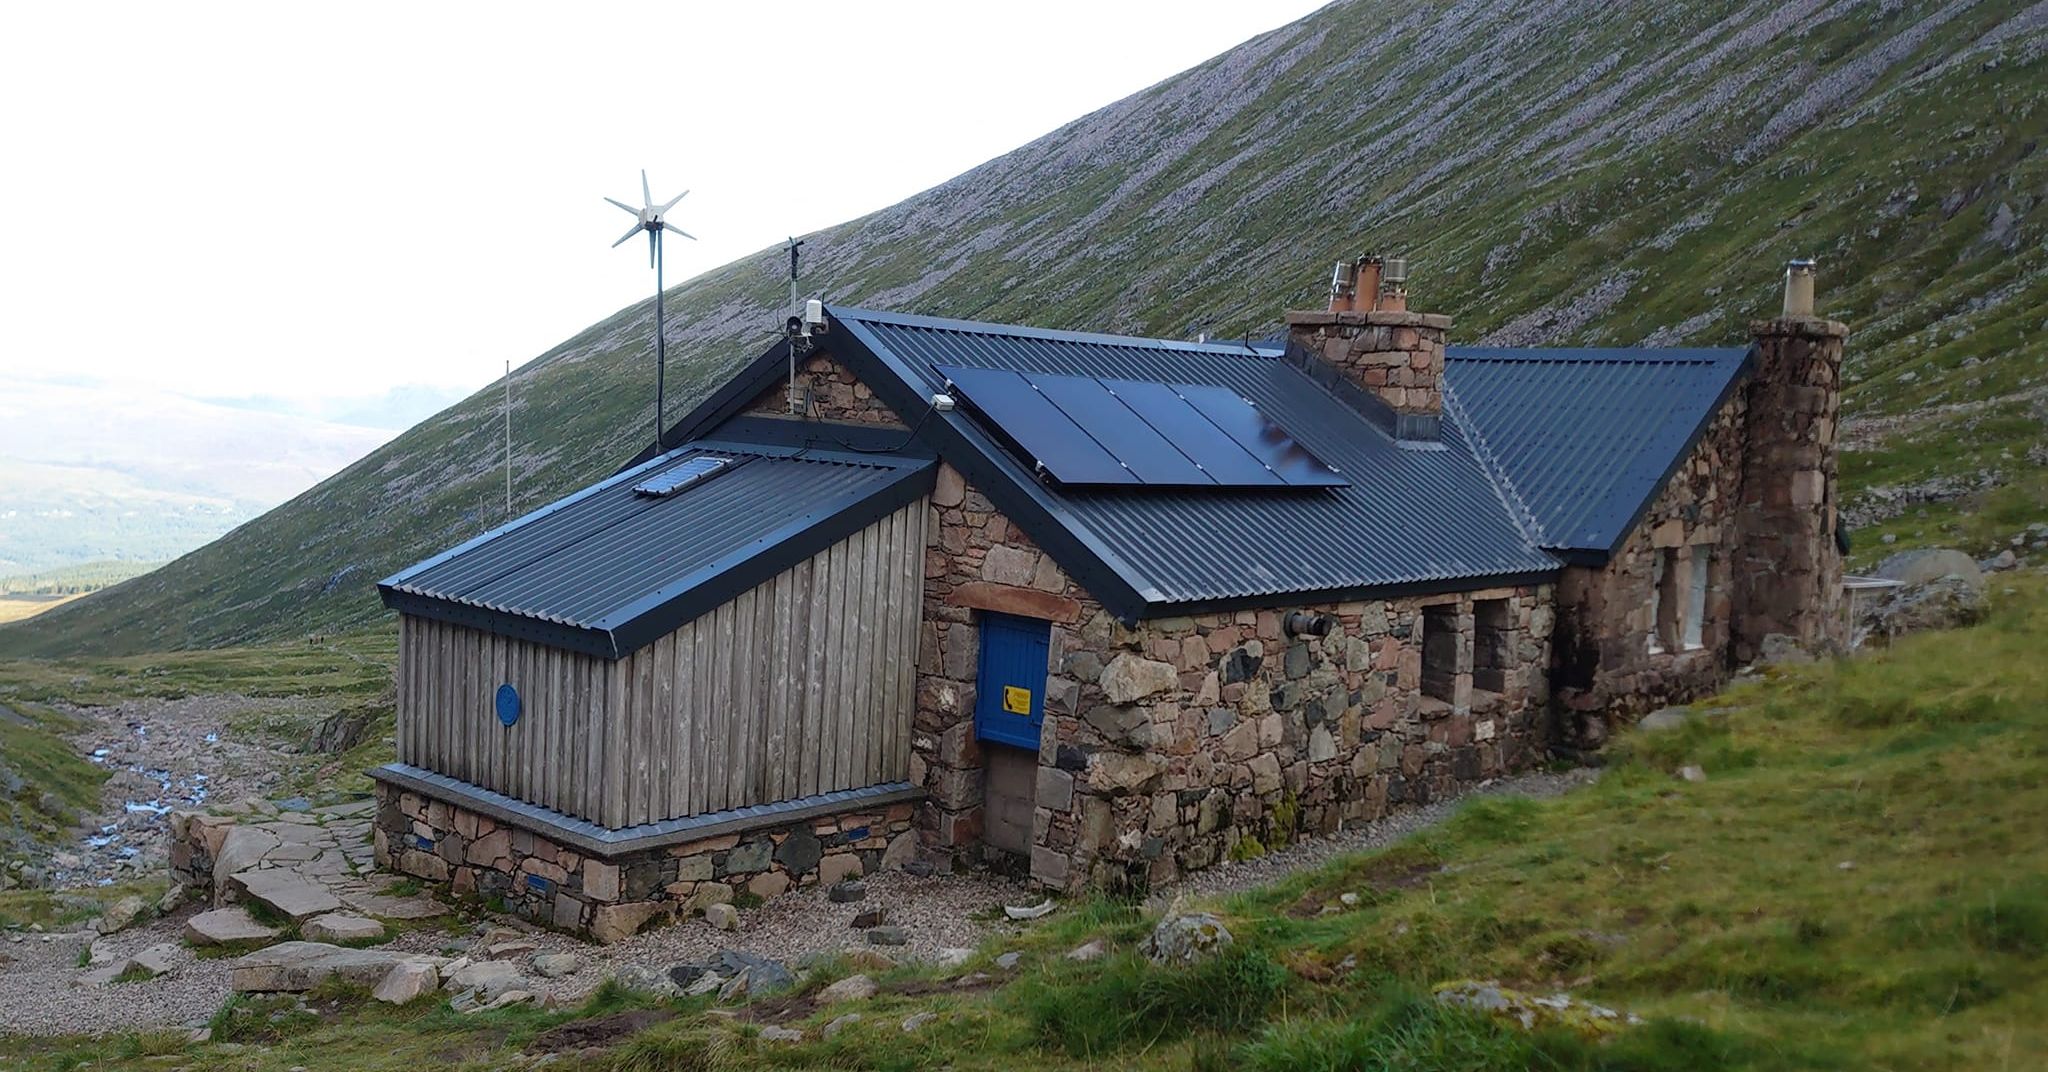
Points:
[1187,938]
[1943,603]
[1928,564]
[120,915]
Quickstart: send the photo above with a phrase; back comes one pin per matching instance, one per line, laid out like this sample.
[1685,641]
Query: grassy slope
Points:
[1564,177]
[1860,883]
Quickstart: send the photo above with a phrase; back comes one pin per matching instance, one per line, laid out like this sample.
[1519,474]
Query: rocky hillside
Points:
[1554,176]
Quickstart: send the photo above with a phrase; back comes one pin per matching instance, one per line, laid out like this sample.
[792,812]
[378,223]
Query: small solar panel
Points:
[676,478]
[1082,430]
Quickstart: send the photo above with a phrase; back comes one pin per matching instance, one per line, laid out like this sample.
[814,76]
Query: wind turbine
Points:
[649,218]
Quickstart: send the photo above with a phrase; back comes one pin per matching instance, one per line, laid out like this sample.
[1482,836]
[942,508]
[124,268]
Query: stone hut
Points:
[1107,609]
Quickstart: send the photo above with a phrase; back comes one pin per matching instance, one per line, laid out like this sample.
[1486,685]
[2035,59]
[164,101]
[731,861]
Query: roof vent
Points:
[674,479]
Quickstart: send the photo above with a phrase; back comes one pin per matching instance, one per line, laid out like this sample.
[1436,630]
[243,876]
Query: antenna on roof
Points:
[649,218]
[794,328]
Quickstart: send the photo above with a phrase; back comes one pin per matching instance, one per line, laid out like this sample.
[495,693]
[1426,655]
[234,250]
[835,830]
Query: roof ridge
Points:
[1496,474]
[1025,331]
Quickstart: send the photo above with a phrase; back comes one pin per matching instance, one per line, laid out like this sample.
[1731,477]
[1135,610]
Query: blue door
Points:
[1009,694]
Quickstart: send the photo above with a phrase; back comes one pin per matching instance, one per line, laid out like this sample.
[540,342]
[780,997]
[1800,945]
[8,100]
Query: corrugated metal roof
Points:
[1411,516]
[1586,437]
[621,566]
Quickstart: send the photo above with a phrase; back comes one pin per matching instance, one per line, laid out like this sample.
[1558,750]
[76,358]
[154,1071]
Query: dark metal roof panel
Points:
[1586,437]
[1413,514]
[605,557]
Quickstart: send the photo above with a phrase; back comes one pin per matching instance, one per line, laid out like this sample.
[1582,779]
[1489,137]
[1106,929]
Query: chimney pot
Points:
[1396,270]
[1343,287]
[1368,288]
[1799,289]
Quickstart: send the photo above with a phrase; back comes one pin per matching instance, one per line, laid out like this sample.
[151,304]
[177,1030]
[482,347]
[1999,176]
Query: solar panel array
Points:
[1086,430]
[680,476]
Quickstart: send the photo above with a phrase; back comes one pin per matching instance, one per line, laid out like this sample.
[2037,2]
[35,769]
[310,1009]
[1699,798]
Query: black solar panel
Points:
[1084,430]
[680,476]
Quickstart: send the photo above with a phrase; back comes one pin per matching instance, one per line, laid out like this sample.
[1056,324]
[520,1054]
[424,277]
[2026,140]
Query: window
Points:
[1492,645]
[1664,601]
[1696,596]
[1440,652]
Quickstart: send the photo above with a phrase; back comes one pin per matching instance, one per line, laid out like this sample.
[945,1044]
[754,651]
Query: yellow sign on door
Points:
[1016,701]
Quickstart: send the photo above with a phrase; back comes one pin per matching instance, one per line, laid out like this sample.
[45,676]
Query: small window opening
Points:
[1696,597]
[1664,601]
[1492,645]
[1440,652]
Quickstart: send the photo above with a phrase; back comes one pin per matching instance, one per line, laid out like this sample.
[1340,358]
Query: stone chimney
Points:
[1369,338]
[1788,567]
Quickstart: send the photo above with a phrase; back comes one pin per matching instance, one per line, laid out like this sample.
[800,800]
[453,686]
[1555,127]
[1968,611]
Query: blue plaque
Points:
[508,704]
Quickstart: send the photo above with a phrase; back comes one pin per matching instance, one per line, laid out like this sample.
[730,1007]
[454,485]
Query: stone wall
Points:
[1605,665]
[1188,740]
[833,393]
[611,898]
[1791,570]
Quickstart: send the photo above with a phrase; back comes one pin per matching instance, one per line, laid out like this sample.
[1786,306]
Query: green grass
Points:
[1860,883]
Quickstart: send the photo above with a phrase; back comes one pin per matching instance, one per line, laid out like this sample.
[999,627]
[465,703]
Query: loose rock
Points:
[406,981]
[120,915]
[851,988]
[341,927]
[1186,939]
[888,935]
[556,965]
[918,1019]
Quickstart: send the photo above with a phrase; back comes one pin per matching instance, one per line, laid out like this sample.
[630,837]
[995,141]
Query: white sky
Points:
[329,200]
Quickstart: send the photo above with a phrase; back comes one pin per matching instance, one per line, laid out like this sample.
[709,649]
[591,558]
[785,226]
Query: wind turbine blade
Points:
[667,226]
[672,201]
[622,238]
[645,193]
[630,210]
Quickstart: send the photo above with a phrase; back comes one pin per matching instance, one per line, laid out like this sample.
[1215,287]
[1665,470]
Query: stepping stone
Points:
[295,966]
[353,807]
[389,907]
[288,893]
[329,862]
[159,959]
[227,926]
[291,852]
[340,927]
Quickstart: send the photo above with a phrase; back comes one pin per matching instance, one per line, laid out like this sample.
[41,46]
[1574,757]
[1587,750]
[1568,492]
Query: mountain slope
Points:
[1554,177]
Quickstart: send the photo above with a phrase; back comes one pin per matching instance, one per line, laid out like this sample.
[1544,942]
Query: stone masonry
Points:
[611,898]
[1790,569]
[1396,355]
[1604,664]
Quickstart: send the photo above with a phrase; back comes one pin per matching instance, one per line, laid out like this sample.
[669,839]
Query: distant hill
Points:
[92,471]
[1554,176]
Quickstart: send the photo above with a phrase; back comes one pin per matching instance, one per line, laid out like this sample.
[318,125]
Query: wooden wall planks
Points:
[802,685]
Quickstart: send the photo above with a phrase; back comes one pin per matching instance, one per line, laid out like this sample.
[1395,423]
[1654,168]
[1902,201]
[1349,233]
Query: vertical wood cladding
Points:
[801,685]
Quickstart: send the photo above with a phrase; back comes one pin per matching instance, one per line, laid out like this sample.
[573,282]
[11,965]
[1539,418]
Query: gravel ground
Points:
[40,993]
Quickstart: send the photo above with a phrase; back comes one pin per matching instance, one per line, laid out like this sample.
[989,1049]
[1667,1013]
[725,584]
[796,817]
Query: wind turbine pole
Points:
[648,219]
[660,344]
